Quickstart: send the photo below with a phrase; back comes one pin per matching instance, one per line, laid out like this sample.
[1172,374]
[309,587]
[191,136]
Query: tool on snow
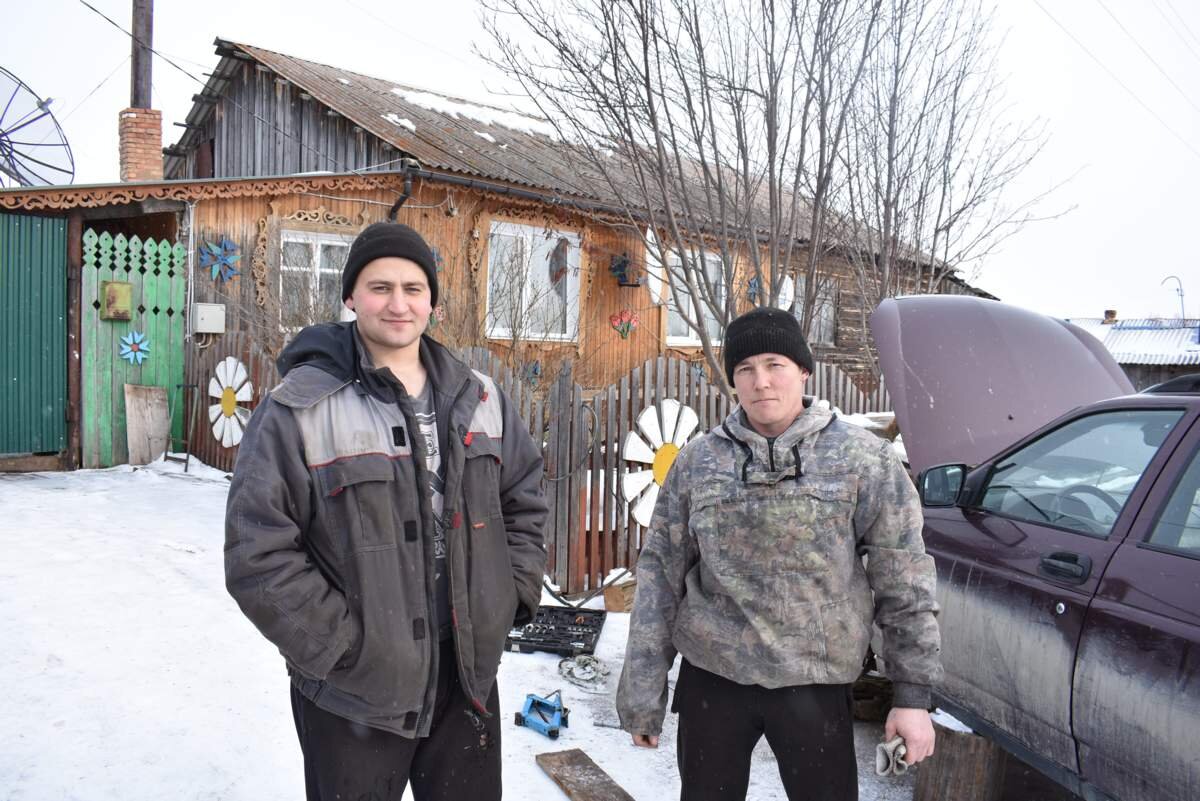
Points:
[546,715]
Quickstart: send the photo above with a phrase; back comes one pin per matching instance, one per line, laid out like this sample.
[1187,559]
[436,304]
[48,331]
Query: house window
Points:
[823,330]
[533,283]
[310,279]
[679,332]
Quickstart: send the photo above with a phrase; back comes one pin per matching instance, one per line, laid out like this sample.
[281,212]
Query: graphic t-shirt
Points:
[426,416]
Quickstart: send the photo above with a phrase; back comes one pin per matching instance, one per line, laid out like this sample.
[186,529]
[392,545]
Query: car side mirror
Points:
[940,486]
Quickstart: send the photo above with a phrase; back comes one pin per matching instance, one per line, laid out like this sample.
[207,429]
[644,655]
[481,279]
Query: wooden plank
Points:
[964,766]
[595,526]
[622,428]
[89,336]
[635,406]
[561,438]
[575,490]
[610,480]
[580,777]
[107,342]
[146,422]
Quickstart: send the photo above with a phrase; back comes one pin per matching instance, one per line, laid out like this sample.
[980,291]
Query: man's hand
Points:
[915,727]
[645,740]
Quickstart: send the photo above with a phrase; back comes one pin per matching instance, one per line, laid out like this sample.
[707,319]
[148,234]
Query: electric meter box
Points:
[208,318]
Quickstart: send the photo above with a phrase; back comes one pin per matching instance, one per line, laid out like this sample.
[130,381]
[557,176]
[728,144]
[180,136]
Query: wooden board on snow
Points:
[579,777]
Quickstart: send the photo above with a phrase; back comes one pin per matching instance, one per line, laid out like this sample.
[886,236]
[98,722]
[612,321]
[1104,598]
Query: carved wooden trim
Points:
[69,197]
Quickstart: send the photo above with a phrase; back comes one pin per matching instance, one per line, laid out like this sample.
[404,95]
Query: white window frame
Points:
[700,310]
[824,309]
[314,240]
[500,328]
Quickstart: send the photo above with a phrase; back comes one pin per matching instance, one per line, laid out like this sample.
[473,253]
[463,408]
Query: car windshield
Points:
[1080,476]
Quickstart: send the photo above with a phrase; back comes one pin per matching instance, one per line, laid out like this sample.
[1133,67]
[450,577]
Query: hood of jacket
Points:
[767,460]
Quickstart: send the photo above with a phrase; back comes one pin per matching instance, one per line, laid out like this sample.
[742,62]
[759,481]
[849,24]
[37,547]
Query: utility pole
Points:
[143,41]
[1178,291]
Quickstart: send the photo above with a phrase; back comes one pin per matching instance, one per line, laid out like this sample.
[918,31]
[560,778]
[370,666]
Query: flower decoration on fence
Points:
[221,258]
[135,348]
[437,316]
[664,430]
[230,387]
[624,323]
[753,287]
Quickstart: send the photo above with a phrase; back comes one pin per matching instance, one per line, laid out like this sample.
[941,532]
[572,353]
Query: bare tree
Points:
[713,129]
[930,152]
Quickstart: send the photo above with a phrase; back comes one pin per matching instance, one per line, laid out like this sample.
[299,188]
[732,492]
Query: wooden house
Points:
[191,275]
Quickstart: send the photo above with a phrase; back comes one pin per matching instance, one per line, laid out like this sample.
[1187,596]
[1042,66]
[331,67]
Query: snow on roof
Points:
[396,119]
[488,115]
[1152,340]
[485,135]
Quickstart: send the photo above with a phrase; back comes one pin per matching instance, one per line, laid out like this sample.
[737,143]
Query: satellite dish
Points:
[33,149]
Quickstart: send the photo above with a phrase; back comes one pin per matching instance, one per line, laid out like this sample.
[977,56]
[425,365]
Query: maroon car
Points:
[1063,512]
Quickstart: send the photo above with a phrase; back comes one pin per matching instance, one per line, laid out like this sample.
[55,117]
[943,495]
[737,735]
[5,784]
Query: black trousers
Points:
[460,759]
[810,729]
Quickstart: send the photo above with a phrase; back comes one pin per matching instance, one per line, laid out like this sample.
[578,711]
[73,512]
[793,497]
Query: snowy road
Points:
[130,674]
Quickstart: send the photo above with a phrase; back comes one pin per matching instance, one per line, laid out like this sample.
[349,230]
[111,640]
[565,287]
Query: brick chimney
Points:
[139,126]
[1110,317]
[141,145]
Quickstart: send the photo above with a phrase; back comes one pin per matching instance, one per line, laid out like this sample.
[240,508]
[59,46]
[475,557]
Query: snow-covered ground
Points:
[130,674]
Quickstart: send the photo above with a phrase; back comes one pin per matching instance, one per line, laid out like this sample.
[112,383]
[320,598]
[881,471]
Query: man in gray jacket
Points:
[753,571]
[384,531]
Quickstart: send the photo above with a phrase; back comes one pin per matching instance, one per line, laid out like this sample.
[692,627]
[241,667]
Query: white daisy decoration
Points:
[230,387]
[665,430]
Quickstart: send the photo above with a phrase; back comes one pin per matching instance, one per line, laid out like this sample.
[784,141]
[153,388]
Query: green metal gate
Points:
[33,334]
[157,274]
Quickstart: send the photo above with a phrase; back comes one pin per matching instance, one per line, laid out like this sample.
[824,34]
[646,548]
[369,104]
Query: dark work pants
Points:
[810,729]
[460,759]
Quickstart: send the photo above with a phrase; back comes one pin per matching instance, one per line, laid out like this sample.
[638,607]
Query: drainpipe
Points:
[407,166]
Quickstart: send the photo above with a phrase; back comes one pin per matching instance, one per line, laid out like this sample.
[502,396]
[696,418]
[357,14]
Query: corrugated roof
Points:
[1148,340]
[440,131]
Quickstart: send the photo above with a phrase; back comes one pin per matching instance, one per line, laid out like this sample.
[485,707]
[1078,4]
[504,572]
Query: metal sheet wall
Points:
[33,334]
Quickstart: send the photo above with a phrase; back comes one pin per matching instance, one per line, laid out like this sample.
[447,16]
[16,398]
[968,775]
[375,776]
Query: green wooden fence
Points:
[158,277]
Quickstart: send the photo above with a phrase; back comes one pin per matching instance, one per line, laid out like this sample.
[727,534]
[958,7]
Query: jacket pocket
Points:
[359,503]
[787,528]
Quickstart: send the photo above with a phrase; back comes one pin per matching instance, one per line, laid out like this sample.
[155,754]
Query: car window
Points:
[1079,476]
[1178,526]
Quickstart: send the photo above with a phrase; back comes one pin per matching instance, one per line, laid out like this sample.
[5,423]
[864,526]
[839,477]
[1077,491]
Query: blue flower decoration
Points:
[220,258]
[135,348]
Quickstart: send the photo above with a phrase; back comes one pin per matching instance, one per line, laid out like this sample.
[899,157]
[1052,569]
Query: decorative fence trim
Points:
[156,272]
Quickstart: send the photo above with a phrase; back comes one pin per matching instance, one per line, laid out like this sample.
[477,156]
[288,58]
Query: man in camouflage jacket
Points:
[753,571]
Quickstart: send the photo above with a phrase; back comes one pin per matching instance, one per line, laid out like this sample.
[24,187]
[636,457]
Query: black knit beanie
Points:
[388,239]
[765,330]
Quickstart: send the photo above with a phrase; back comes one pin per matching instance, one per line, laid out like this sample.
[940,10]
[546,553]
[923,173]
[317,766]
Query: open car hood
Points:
[969,377]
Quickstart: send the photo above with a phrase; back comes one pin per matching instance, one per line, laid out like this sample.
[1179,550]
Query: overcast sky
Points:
[1124,132]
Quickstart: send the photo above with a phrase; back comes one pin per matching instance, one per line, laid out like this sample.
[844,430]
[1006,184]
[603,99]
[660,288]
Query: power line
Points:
[1146,53]
[96,89]
[1120,83]
[1175,30]
[1183,21]
[234,103]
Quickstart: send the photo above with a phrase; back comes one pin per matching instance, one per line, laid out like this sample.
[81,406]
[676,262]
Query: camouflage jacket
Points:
[753,566]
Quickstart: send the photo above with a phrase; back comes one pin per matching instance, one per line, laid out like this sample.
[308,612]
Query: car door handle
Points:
[1072,567]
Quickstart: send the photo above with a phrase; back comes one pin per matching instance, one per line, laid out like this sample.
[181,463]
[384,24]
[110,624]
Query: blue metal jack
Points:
[546,715]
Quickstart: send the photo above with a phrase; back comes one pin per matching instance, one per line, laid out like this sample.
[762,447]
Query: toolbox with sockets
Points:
[558,630]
